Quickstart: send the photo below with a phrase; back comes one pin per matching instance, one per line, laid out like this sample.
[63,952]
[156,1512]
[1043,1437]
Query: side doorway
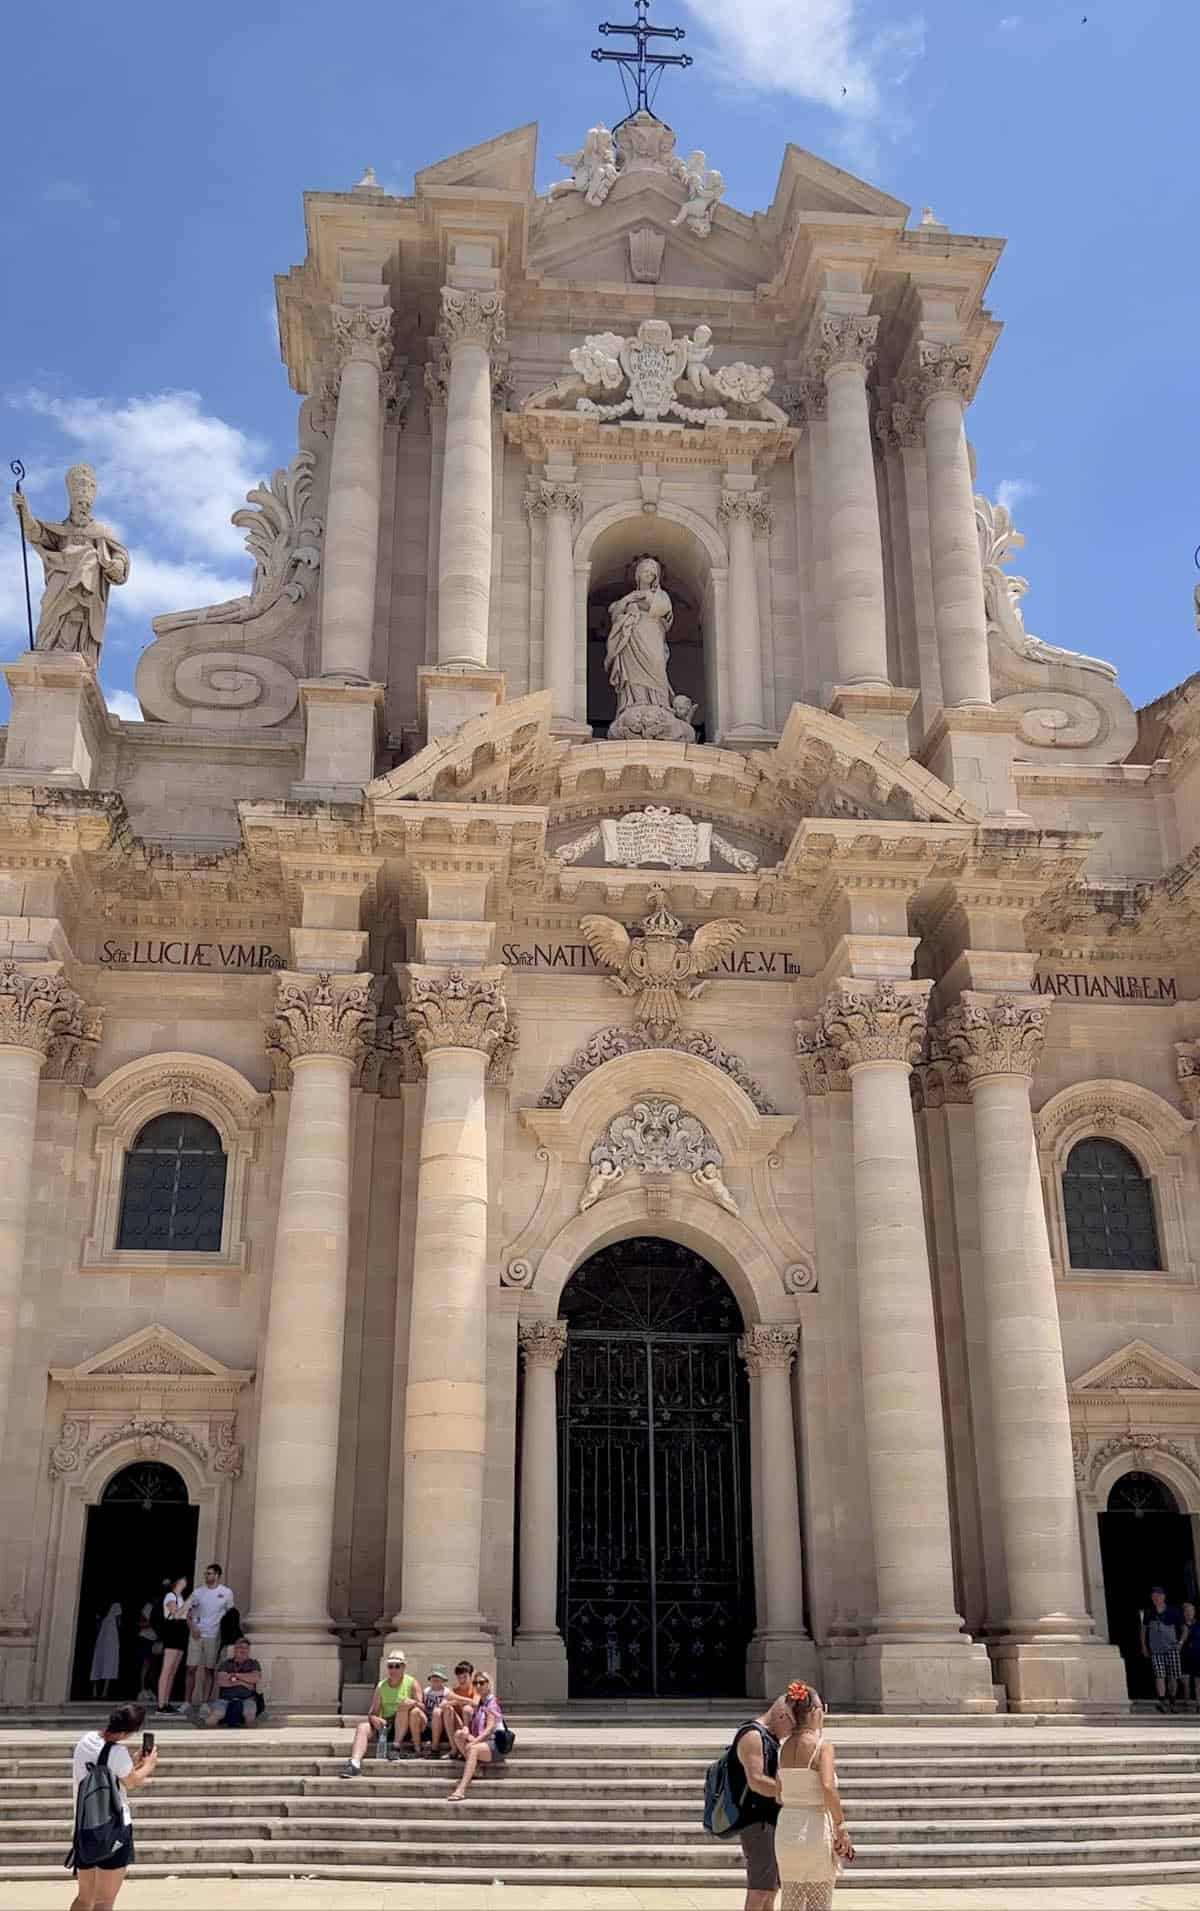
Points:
[141,1533]
[1145,1541]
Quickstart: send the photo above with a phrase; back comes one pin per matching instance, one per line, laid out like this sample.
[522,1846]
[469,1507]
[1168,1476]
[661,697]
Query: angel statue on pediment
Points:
[703,186]
[593,168]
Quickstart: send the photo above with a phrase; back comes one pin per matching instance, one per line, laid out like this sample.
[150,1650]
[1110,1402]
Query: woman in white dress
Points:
[811,1840]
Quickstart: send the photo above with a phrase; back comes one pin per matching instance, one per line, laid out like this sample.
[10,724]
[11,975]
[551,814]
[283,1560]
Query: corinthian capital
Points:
[843,339]
[942,368]
[362,332]
[542,1342]
[753,506]
[322,1015]
[876,1021]
[451,1009]
[38,1011]
[991,1035]
[768,1349]
[554,496]
[471,318]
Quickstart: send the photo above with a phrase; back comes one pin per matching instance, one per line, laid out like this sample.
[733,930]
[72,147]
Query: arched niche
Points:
[694,562]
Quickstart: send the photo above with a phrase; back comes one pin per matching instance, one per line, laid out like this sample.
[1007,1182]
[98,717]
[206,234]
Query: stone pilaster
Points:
[457,1022]
[559,503]
[918,1646]
[472,322]
[539,1647]
[746,516]
[320,1027]
[1043,1645]
[842,355]
[362,353]
[940,388]
[781,1649]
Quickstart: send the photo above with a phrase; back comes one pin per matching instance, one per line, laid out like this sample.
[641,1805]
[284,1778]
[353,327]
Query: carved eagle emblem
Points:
[659,965]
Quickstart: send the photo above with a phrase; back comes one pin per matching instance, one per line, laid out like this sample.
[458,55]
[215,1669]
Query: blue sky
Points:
[156,157]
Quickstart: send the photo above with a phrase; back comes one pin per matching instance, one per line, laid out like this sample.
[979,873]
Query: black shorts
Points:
[758,1849]
[117,1860]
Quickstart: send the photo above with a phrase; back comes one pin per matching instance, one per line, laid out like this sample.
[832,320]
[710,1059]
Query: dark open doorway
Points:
[1145,1541]
[142,1532]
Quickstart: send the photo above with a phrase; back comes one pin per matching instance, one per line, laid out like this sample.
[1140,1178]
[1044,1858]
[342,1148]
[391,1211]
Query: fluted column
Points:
[363,349]
[781,1650]
[559,504]
[1045,1648]
[876,1031]
[543,1344]
[942,387]
[457,1021]
[319,1026]
[745,514]
[844,353]
[471,323]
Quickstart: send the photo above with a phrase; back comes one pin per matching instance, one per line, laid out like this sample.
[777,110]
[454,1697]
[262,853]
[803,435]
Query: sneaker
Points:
[167,1708]
[349,1769]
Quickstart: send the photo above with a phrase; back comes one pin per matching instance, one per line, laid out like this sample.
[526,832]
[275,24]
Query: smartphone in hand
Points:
[147,1744]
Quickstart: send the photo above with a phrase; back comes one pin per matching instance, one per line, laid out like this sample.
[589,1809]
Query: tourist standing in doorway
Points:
[99,1882]
[811,1840]
[1162,1628]
[106,1653]
[206,1609]
[175,1636]
[1189,1655]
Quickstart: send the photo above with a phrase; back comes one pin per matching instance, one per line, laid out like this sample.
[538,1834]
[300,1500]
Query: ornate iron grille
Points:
[146,1485]
[1109,1210]
[173,1195]
[656,1573]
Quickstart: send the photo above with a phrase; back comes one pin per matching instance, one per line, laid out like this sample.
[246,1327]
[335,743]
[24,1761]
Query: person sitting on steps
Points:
[474,1740]
[392,1699]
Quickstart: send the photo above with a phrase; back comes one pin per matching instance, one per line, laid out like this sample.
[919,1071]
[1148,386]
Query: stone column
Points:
[471,323]
[457,1022]
[1044,1648]
[781,1649]
[844,354]
[319,1027]
[745,514]
[539,1646]
[918,1647]
[943,385]
[349,560]
[560,504]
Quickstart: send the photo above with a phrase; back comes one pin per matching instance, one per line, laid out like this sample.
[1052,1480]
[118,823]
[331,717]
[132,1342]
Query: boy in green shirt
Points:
[389,1711]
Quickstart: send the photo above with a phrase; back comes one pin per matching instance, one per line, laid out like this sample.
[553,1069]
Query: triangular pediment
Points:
[505,164]
[591,245]
[808,184]
[1138,1368]
[152,1350]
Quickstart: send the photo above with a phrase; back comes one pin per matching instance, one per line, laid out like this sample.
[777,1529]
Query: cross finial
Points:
[641,69]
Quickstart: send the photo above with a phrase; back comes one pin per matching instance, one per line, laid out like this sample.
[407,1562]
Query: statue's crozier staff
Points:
[82,560]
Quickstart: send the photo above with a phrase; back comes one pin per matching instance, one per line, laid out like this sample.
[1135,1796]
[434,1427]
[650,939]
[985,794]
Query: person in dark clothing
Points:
[754,1758]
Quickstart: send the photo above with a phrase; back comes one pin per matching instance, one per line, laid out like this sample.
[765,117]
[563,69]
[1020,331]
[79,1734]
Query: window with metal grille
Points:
[173,1195]
[1109,1209]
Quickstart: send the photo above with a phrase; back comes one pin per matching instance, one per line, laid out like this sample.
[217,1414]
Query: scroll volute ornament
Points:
[992,1035]
[878,1022]
[38,1010]
[453,1009]
[322,1015]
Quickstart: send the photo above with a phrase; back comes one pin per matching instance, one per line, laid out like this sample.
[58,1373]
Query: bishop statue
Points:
[82,560]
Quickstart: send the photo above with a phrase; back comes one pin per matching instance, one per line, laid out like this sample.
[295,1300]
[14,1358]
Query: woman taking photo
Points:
[811,1841]
[174,1629]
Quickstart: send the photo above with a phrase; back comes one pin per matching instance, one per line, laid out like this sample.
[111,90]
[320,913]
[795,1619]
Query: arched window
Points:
[1109,1210]
[173,1194]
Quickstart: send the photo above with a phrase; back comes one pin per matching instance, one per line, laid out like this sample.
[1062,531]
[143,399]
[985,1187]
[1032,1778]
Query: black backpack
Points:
[231,1626]
[99,1816]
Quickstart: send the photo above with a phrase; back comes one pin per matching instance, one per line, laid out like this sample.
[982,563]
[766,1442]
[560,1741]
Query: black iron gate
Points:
[656,1580]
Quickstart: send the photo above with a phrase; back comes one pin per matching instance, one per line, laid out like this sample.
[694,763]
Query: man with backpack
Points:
[104,1772]
[742,1796]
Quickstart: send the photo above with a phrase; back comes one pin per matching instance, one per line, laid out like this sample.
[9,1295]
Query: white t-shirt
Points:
[120,1764]
[207,1604]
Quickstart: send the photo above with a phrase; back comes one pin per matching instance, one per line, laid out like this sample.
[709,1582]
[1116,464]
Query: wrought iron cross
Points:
[641,68]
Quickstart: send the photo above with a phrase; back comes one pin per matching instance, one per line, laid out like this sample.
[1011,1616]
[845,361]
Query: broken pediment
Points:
[1138,1368]
[504,164]
[808,184]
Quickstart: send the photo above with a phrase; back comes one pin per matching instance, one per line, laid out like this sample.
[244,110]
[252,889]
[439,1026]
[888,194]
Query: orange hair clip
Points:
[797,1691]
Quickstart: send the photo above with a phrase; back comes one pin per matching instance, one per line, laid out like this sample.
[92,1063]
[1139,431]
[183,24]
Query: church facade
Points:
[608,1081]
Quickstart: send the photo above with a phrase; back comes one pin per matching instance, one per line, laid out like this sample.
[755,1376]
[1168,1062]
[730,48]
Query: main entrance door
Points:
[656,1561]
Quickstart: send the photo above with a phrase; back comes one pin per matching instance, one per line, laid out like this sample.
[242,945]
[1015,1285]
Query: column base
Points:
[433,1641]
[18,1644]
[881,709]
[535,1669]
[774,1659]
[302,1666]
[972,751]
[921,1675]
[1060,1675]
[342,722]
[449,695]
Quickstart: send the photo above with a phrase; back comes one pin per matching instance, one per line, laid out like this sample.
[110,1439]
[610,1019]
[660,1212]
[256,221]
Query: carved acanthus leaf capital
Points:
[991,1035]
[322,1015]
[554,496]
[899,427]
[876,1022]
[542,1342]
[942,368]
[362,332]
[752,506]
[459,1010]
[471,318]
[768,1349]
[844,339]
[822,1067]
[38,1011]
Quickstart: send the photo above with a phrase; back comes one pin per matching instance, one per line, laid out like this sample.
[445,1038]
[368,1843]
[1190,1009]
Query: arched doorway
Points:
[141,1531]
[656,1556]
[1145,1541]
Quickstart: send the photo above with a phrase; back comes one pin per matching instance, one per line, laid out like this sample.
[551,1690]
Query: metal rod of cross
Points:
[640,67]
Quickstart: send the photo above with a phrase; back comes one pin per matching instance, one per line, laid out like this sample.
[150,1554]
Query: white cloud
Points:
[125,705]
[1011,491]
[815,50]
[164,459]
[1010,22]
[161,584]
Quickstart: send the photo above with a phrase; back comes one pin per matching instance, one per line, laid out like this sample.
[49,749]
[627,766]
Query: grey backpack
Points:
[99,1816]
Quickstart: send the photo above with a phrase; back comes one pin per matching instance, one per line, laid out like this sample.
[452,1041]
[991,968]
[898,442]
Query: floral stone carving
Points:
[658,966]
[880,1023]
[542,1342]
[607,1043]
[657,1137]
[655,375]
[322,1015]
[38,1011]
[457,1010]
[991,1035]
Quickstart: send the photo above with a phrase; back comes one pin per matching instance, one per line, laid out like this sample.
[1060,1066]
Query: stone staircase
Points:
[607,1801]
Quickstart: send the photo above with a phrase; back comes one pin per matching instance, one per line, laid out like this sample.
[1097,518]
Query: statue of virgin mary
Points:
[636,661]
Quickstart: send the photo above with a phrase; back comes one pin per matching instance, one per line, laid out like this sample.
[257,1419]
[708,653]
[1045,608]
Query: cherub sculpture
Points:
[703,187]
[710,1181]
[603,1174]
[593,168]
[658,965]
